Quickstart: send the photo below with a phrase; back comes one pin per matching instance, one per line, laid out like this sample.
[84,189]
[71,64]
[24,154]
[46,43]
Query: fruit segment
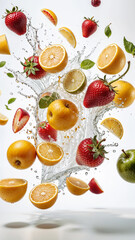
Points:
[76,186]
[94,186]
[50,15]
[114,126]
[46,132]
[4,48]
[68,34]
[3,119]
[20,119]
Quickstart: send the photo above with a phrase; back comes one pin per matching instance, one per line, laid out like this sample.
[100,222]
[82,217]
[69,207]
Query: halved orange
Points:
[44,195]
[3,119]
[12,189]
[76,186]
[49,153]
[114,126]
[53,58]
[4,48]
[50,15]
[111,60]
[68,34]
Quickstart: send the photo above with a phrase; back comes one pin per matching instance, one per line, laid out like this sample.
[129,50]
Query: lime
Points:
[74,81]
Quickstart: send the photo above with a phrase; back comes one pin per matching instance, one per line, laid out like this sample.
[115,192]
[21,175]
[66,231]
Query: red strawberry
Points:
[90,152]
[32,68]
[16,21]
[46,132]
[89,26]
[95,3]
[21,117]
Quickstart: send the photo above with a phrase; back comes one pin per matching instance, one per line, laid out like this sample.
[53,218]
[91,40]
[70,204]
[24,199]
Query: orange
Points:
[12,189]
[21,154]
[53,58]
[50,15]
[125,94]
[111,60]
[114,126]
[44,195]
[68,34]
[76,186]
[3,119]
[49,153]
[4,48]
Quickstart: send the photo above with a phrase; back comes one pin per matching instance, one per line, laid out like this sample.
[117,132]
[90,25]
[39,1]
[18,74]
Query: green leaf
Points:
[7,107]
[11,100]
[87,64]
[10,75]
[129,46]
[47,100]
[55,95]
[2,64]
[108,31]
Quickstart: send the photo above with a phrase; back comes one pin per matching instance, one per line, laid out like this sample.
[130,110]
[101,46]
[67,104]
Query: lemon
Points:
[76,186]
[114,126]
[4,48]
[3,119]
[68,34]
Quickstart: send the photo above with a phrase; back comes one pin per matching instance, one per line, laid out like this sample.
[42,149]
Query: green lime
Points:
[74,81]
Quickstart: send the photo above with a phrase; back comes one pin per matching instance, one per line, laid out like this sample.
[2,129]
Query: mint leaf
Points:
[2,64]
[10,75]
[45,101]
[11,100]
[7,107]
[129,46]
[87,64]
[108,31]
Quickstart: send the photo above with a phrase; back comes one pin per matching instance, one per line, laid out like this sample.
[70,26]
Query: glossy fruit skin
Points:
[16,22]
[88,28]
[85,157]
[98,94]
[126,166]
[94,187]
[21,154]
[46,132]
[39,74]
[95,3]
[22,117]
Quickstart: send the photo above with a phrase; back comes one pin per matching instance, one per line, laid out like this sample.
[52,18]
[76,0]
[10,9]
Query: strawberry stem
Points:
[126,155]
[121,75]
[100,142]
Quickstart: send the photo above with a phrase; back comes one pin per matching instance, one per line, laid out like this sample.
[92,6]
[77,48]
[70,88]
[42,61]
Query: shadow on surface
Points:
[47,225]
[16,225]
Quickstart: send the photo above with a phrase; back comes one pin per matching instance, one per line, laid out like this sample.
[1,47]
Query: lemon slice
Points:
[68,34]
[111,60]
[114,126]
[3,119]
[44,195]
[49,153]
[76,186]
[50,15]
[12,190]
[53,58]
[74,81]
[4,48]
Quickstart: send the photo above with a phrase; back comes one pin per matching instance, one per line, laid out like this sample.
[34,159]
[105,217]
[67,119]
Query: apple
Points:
[20,119]
[62,114]
[126,165]
[94,187]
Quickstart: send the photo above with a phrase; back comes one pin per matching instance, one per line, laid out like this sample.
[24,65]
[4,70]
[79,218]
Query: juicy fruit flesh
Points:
[68,34]
[50,15]
[3,119]
[114,126]
[50,151]
[77,182]
[107,55]
[4,48]
[73,80]
[12,182]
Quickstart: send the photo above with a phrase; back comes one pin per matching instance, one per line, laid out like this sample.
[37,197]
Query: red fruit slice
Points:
[21,117]
[94,187]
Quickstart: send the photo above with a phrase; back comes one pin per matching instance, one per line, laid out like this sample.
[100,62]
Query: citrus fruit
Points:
[3,119]
[4,48]
[49,153]
[74,81]
[44,195]
[68,34]
[50,15]
[21,154]
[111,60]
[76,186]
[114,126]
[53,58]
[12,189]
[125,94]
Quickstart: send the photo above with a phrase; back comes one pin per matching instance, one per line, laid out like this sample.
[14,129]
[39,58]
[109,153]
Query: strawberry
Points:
[20,119]
[95,3]
[46,132]
[32,68]
[89,26]
[16,21]
[90,152]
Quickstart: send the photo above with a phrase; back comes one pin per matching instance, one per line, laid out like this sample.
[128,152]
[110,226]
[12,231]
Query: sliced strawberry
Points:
[46,132]
[21,117]
[94,186]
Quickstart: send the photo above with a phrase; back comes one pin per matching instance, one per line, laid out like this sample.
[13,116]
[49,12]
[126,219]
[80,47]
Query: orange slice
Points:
[50,15]
[49,153]
[53,58]
[12,189]
[4,48]
[111,60]
[76,186]
[68,34]
[44,195]
[3,119]
[114,126]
